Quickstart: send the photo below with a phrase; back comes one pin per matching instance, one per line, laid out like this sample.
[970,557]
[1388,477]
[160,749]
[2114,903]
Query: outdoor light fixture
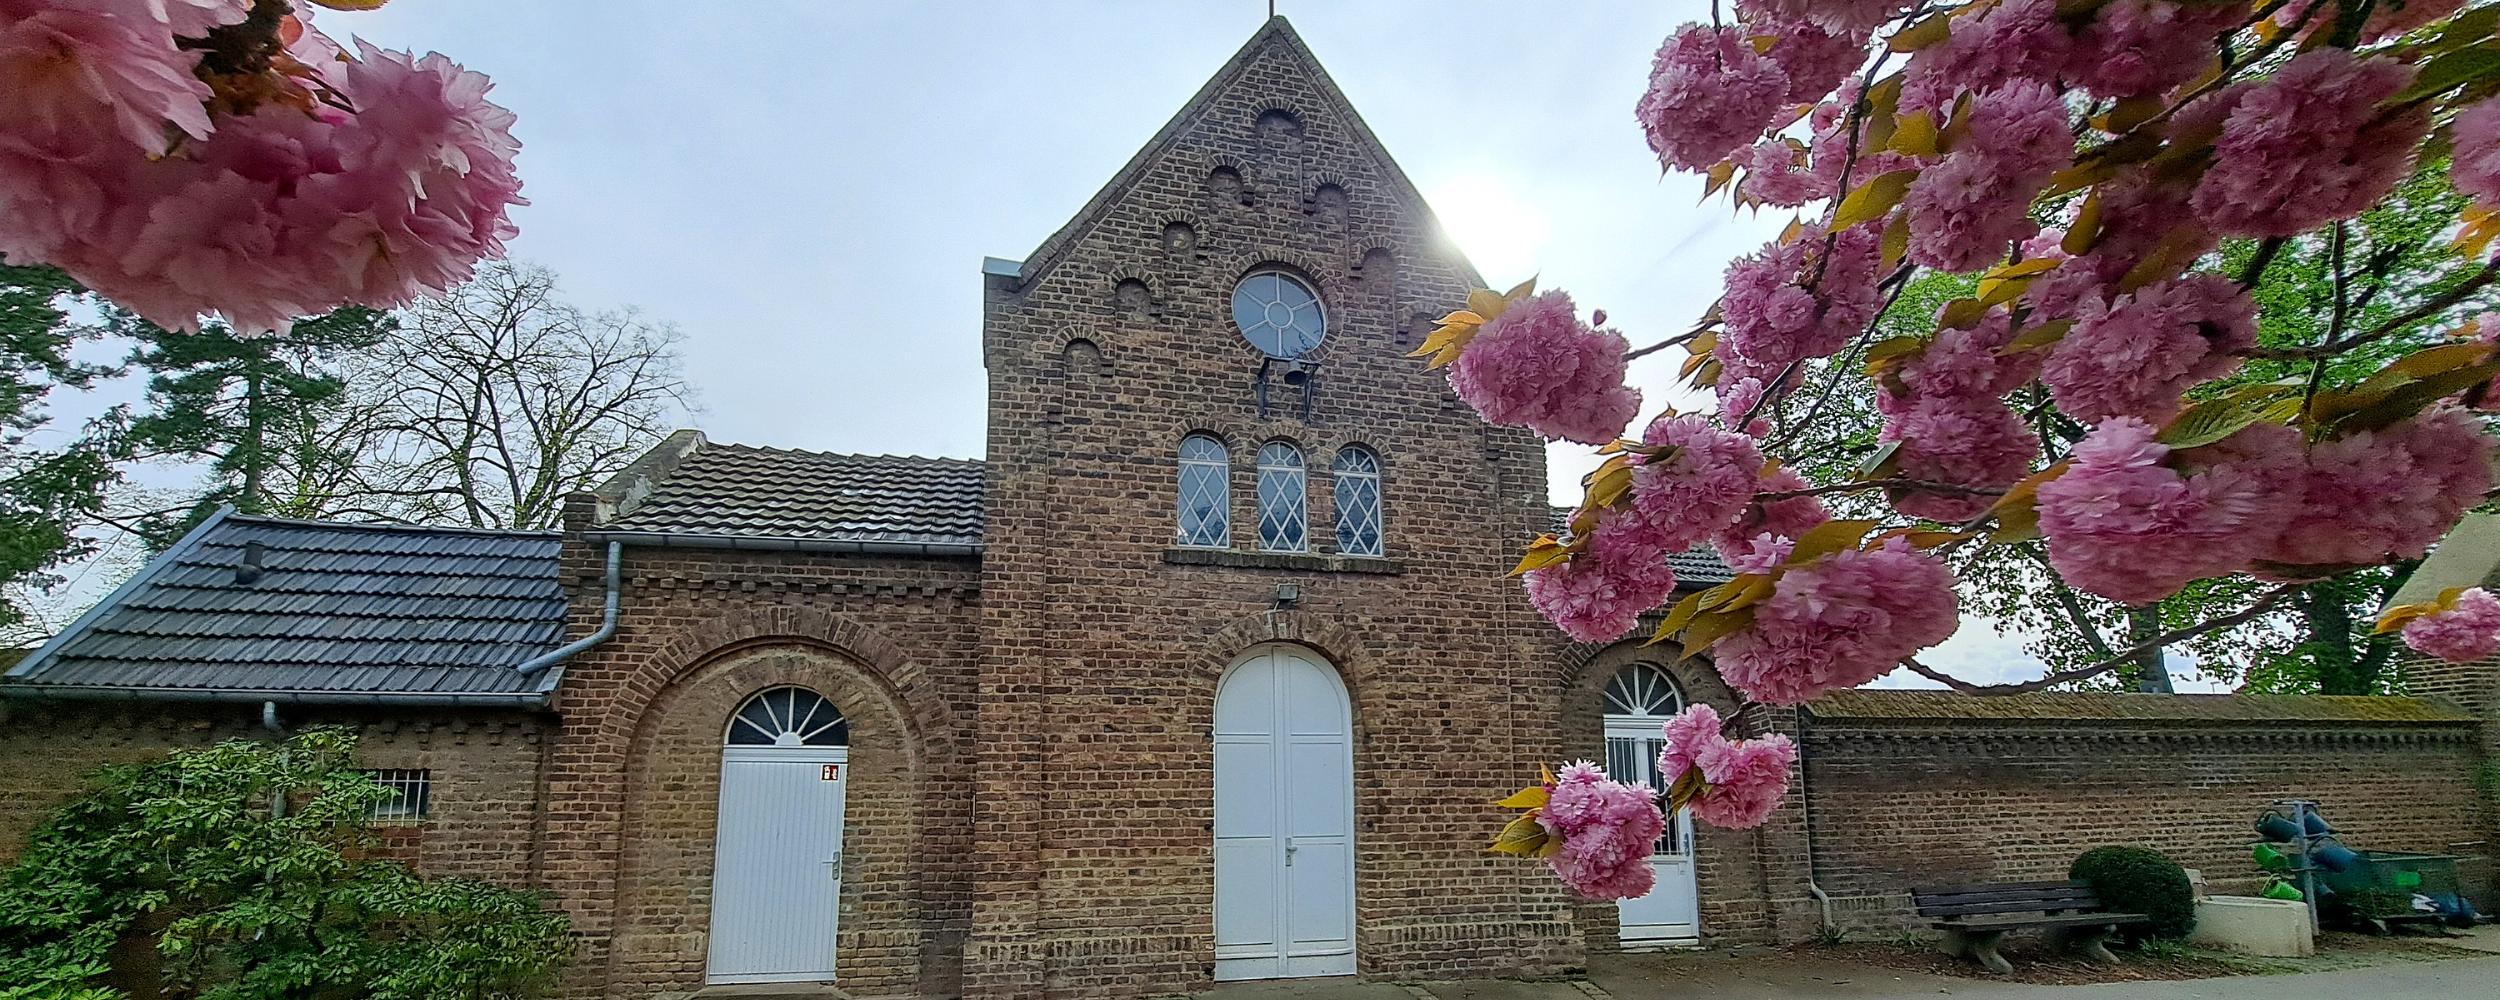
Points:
[1288,594]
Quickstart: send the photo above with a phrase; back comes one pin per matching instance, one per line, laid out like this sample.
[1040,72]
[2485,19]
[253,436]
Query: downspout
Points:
[606,629]
[1805,807]
[269,721]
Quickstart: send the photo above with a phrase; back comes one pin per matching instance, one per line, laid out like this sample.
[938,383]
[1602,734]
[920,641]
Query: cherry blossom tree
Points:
[188,158]
[2113,178]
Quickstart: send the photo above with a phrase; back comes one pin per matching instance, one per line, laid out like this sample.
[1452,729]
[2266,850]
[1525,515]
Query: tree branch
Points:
[2264,603]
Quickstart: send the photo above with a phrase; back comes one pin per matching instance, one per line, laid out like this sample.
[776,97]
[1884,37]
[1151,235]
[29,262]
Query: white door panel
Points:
[776,879]
[1671,912]
[1284,820]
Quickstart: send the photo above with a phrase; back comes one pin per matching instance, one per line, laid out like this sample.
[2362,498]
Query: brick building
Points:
[1206,671]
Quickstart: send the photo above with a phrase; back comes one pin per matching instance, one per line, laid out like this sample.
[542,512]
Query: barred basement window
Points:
[412,796]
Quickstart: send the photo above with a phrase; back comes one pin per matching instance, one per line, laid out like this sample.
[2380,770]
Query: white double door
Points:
[1284,819]
[1671,911]
[777,868]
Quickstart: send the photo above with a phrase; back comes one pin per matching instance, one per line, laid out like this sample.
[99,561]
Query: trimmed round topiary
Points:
[2140,880]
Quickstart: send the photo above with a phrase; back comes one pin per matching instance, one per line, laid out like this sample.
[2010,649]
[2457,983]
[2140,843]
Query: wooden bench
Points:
[1975,918]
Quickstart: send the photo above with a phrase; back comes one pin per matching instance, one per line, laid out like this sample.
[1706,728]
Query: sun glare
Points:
[1503,234]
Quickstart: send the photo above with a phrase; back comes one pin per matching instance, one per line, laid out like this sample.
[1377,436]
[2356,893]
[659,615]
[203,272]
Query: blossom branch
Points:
[1682,338]
[1881,484]
[2264,603]
[2431,307]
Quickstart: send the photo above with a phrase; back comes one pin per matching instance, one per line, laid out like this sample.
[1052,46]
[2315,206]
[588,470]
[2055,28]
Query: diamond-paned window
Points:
[788,717]
[1206,494]
[1284,519]
[1358,501]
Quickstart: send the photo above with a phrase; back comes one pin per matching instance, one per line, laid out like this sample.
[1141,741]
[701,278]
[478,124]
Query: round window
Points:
[1279,314]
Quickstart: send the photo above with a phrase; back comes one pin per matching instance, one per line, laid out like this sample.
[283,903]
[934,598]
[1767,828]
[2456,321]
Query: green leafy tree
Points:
[2322,287]
[261,412]
[251,869]
[47,490]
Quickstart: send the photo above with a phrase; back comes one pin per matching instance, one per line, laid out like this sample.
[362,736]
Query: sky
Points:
[807,189]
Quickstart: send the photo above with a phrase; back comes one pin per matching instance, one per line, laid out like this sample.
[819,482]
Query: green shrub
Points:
[2140,880]
[246,902]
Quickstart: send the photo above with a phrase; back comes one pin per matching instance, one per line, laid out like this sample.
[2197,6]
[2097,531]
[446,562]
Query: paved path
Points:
[1636,977]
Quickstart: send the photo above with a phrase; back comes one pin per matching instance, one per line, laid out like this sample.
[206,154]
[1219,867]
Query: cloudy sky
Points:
[807,189]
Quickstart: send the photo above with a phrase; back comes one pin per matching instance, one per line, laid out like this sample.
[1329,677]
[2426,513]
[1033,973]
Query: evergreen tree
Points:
[46,490]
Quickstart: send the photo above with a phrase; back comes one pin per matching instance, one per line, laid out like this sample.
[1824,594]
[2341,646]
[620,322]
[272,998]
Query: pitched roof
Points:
[2052,706]
[730,490]
[343,611]
[1277,33]
[1699,566]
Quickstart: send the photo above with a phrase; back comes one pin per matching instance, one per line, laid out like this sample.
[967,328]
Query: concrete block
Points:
[2254,925]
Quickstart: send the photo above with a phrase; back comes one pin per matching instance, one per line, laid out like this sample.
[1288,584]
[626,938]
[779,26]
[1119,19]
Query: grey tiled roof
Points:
[339,609]
[1697,567]
[736,490]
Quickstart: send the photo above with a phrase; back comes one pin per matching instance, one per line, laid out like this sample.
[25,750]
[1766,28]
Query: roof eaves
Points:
[146,575]
[442,699]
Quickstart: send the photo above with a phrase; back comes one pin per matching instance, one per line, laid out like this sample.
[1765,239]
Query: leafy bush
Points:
[2140,880]
[244,901]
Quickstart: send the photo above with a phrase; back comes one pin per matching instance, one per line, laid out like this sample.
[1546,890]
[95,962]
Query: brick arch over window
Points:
[634,942]
[1736,869]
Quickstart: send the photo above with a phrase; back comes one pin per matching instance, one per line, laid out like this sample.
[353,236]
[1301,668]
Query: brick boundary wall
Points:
[1899,804]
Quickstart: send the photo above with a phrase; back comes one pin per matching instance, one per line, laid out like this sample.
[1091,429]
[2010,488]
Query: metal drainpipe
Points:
[606,629]
[1805,808]
[269,721]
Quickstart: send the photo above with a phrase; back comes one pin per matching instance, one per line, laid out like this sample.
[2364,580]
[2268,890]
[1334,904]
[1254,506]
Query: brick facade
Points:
[1030,805]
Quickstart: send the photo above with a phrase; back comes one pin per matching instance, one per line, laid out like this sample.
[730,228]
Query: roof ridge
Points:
[814,453]
[439,529]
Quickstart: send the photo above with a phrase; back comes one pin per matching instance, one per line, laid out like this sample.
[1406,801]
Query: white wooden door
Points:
[777,873]
[1639,700]
[1284,819]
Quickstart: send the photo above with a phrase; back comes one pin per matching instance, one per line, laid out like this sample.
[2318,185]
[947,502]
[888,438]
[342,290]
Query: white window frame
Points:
[1220,468]
[412,796]
[1366,476]
[1293,479]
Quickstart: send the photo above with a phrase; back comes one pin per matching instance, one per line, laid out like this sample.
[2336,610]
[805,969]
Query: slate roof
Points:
[338,610]
[740,491]
[2100,707]
[1698,567]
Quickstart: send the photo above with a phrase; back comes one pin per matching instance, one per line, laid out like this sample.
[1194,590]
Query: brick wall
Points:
[1902,803]
[1101,647]
[634,789]
[483,766]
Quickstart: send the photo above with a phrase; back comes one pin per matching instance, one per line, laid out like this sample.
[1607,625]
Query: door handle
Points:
[833,869]
[1290,847]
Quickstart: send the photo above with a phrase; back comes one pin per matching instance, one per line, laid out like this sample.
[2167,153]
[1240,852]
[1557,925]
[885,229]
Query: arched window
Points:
[1284,520]
[788,717]
[1206,493]
[1358,501]
[1644,690]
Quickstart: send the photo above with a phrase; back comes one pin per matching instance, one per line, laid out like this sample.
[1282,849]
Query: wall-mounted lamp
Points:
[1288,594]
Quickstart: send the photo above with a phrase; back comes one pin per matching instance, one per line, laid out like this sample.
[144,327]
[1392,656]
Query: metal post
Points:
[2299,810]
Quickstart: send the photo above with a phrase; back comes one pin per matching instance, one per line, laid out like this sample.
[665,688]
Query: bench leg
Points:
[1980,947]
[2093,942]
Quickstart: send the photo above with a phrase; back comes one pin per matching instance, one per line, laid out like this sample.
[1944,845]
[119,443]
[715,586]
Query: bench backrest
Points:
[2005,897]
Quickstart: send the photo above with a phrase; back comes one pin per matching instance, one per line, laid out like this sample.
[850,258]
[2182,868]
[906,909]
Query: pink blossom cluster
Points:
[1692,493]
[1845,17]
[1839,622]
[1814,59]
[1945,406]
[2376,495]
[1788,517]
[2123,523]
[2463,632]
[2141,48]
[2474,164]
[2307,146]
[1709,93]
[2129,48]
[2388,18]
[1776,172]
[261,217]
[1740,398]
[1539,366]
[1779,310]
[1743,779]
[1599,594]
[1971,206]
[1608,830]
[2137,354]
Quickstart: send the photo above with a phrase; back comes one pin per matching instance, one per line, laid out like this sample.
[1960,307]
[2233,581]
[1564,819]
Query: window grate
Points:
[412,796]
